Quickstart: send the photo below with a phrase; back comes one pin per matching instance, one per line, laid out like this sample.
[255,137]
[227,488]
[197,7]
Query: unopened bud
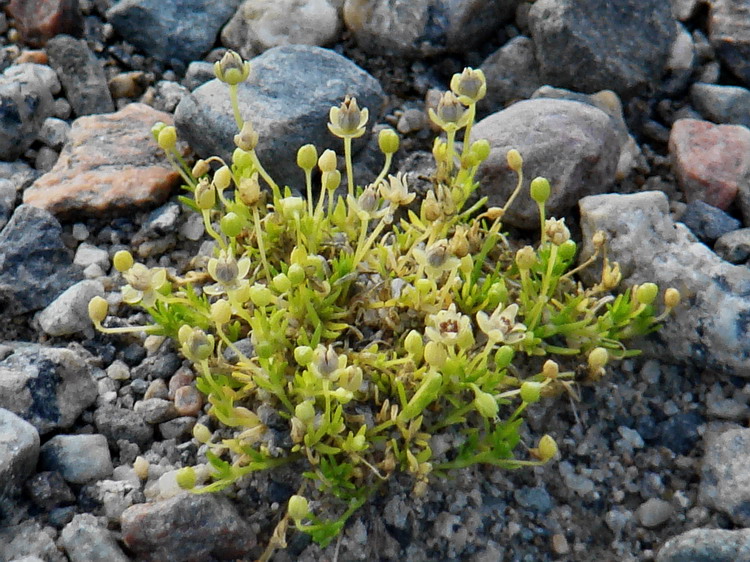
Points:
[671,297]
[327,161]
[388,141]
[646,293]
[531,391]
[122,260]
[526,258]
[307,157]
[205,195]
[540,190]
[547,448]
[98,309]
[201,168]
[167,138]
[298,508]
[186,478]
[515,161]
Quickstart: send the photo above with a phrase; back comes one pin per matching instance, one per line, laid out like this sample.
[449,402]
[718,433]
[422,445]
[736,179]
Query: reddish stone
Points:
[183,377]
[109,165]
[40,20]
[37,57]
[188,401]
[711,162]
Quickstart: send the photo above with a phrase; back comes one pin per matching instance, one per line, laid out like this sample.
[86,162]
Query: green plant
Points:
[376,321]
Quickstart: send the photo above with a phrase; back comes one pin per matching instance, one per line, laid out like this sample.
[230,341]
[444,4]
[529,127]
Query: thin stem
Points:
[467,131]
[210,229]
[386,167]
[261,245]
[349,169]
[235,105]
[265,175]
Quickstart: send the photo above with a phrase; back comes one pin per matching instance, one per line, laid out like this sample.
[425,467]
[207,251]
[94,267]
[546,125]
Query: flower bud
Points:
[247,138]
[343,395]
[222,178]
[242,159]
[540,190]
[296,274]
[281,283]
[231,69]
[303,354]
[201,168]
[292,207]
[122,260]
[646,293]
[504,357]
[459,244]
[260,295]
[205,195]
[556,231]
[485,403]
[550,369]
[388,141]
[671,297]
[331,180]
[431,208]
[98,309]
[526,258]
[515,161]
[221,311]
[156,128]
[201,433]
[598,358]
[167,138]
[567,250]
[307,157]
[435,354]
[185,478]
[305,411]
[531,391]
[327,161]
[547,448]
[598,239]
[298,508]
[249,190]
[481,149]
[414,345]
[231,224]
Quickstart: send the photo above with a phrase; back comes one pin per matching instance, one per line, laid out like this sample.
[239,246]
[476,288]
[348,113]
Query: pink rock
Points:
[188,401]
[109,165]
[711,162]
[40,20]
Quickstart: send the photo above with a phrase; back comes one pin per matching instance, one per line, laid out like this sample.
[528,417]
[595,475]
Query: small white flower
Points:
[143,284]
[448,326]
[501,326]
[436,259]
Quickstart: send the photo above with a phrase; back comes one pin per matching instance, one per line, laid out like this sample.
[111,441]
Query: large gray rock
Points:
[572,144]
[415,28]
[725,475]
[287,98]
[707,545]
[177,31]
[729,32]
[722,104]
[19,450]
[48,387]
[68,313]
[35,265]
[85,540]
[512,74]
[79,458]
[590,45]
[709,329]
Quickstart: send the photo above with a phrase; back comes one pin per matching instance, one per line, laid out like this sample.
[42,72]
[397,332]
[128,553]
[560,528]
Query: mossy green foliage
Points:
[377,321]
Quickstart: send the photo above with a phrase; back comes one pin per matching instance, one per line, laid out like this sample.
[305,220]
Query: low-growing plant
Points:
[345,332]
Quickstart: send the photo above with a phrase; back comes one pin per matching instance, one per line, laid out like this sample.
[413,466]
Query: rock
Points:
[85,540]
[48,387]
[709,545]
[19,450]
[162,366]
[127,84]
[418,28]
[710,161]
[176,428]
[167,95]
[198,73]
[78,458]
[111,164]
[186,527]
[710,330]
[188,401]
[121,423]
[609,102]
[39,20]
[35,265]
[270,98]
[654,512]
[30,539]
[683,10]
[535,499]
[81,74]
[734,246]
[7,201]
[729,32]
[725,474]
[681,432]
[25,102]
[722,104]
[682,53]
[20,174]
[512,74]
[155,410]
[45,159]
[116,496]
[87,254]
[707,222]
[54,132]
[68,313]
[588,45]
[173,32]
[49,490]
[572,144]
[259,25]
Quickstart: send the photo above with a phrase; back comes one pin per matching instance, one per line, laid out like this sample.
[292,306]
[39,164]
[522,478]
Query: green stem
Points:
[235,105]
[384,171]
[210,229]
[467,131]
[349,169]
[261,244]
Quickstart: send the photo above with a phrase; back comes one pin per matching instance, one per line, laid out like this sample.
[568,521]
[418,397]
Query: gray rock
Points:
[79,458]
[730,35]
[116,496]
[287,98]
[725,475]
[259,25]
[536,499]
[722,104]
[19,450]
[167,95]
[68,313]
[512,74]
[81,74]
[162,366]
[35,265]
[155,410]
[572,144]
[26,101]
[734,246]
[176,428]
[417,28]
[162,220]
[7,200]
[186,527]
[589,45]
[174,32]
[707,222]
[46,76]
[654,512]
[86,254]
[709,329]
[85,540]
[197,74]
[29,539]
[120,423]
[682,54]
[54,132]
[707,545]
[48,387]
[49,490]
[20,174]
[683,10]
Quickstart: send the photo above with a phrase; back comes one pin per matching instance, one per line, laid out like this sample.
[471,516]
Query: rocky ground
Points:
[636,112]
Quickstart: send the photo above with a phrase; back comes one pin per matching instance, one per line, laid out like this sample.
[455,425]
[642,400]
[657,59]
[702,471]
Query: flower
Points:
[470,86]
[556,231]
[448,326]
[367,205]
[228,272]
[436,259]
[501,326]
[348,120]
[231,69]
[143,284]
[451,115]
[396,190]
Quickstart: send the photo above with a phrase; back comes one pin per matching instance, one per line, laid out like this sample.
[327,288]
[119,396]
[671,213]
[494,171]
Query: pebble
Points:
[85,540]
[536,499]
[78,458]
[68,313]
[120,423]
[45,159]
[259,25]
[81,74]
[571,144]
[54,133]
[722,104]
[654,512]
[157,389]
[7,201]
[714,545]
[116,496]
[186,527]
[575,43]
[188,401]
[127,84]
[734,246]
[270,98]
[48,490]
[418,28]
[712,332]
[37,57]
[37,21]
[160,366]
[710,161]
[110,164]
[30,539]
[683,10]
[165,95]
[182,377]
[177,428]
[560,544]
[724,474]
[512,74]
[197,74]
[19,451]
[707,222]
[730,36]
[48,387]
[172,32]
[155,410]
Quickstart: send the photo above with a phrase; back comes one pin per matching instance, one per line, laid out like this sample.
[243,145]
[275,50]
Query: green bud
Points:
[498,293]
[242,159]
[485,403]
[414,345]
[281,283]
[481,149]
[222,178]
[646,293]
[231,69]
[531,391]
[98,309]
[435,354]
[156,128]
[671,297]
[231,224]
[540,190]
[186,478]
[547,448]
[201,433]
[305,411]
[122,260]
[260,295]
[526,258]
[515,160]
[296,274]
[567,249]
[221,311]
[298,508]
[331,180]
[598,358]
[327,161]
[504,356]
[292,207]
[388,141]
[304,354]
[426,393]
[307,157]
[167,138]
[205,195]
